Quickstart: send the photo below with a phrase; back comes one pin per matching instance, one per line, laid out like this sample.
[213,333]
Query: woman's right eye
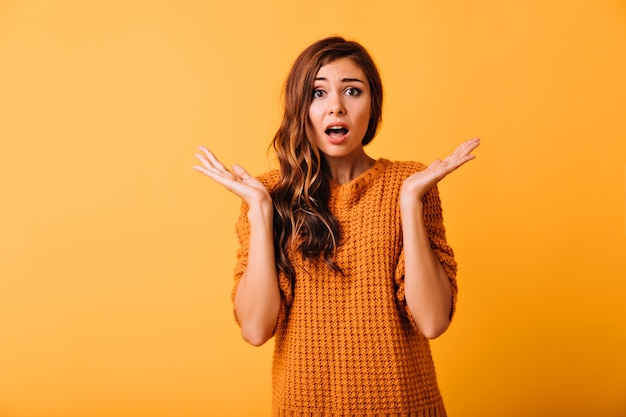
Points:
[318,93]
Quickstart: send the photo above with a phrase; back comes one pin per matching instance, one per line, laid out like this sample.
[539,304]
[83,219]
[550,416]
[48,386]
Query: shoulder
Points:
[270,179]
[401,169]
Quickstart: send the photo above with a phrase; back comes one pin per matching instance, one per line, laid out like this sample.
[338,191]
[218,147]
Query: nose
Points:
[335,105]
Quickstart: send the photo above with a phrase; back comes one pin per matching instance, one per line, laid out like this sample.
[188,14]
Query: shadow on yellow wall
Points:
[116,258]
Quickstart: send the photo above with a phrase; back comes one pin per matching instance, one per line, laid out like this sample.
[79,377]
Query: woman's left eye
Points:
[352,91]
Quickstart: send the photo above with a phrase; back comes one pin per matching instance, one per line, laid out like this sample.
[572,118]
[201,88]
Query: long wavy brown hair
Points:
[301,214]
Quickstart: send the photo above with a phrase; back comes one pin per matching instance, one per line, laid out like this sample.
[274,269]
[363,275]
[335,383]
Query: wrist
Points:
[410,202]
[261,210]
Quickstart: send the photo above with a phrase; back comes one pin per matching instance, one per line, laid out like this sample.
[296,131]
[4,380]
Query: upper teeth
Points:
[336,127]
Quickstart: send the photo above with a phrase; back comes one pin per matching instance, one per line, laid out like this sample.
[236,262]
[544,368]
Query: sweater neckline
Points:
[355,187]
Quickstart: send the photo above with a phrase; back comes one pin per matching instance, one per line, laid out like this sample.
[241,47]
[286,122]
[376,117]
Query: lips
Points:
[337,131]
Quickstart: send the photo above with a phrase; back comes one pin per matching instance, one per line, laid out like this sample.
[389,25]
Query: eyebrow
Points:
[343,80]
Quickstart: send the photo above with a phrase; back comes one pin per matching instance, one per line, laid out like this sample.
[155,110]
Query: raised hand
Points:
[419,183]
[237,180]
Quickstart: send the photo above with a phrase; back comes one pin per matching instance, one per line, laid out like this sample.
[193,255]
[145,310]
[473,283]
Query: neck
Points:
[344,169]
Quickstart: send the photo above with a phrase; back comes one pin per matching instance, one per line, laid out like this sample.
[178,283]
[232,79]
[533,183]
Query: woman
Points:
[343,258]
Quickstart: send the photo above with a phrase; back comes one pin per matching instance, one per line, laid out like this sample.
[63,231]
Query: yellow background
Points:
[116,257]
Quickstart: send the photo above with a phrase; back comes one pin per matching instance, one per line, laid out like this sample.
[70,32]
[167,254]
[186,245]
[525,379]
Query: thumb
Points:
[240,172]
[433,165]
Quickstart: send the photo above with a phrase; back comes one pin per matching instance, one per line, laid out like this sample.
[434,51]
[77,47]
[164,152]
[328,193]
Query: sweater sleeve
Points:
[433,218]
[243,237]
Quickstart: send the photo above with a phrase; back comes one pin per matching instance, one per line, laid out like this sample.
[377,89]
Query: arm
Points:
[257,301]
[428,290]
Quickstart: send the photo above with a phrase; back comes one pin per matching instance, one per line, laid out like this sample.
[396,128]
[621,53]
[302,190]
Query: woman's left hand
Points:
[419,183]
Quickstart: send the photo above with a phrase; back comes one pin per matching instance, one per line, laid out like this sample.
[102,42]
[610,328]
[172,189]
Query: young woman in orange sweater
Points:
[342,258]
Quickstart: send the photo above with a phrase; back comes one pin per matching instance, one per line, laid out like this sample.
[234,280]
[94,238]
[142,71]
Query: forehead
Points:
[340,69]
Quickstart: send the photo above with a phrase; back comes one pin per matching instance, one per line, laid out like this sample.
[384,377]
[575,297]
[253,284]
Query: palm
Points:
[420,182]
[236,180]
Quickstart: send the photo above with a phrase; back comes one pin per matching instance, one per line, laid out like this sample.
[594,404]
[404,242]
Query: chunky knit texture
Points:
[347,344]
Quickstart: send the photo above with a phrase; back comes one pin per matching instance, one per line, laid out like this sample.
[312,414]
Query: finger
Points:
[221,176]
[212,171]
[468,146]
[202,170]
[435,164]
[463,151]
[206,157]
[458,160]
[240,172]
[203,160]
[214,167]
[455,161]
[212,158]
[229,181]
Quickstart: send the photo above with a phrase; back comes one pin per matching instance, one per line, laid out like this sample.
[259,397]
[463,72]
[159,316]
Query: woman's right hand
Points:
[238,181]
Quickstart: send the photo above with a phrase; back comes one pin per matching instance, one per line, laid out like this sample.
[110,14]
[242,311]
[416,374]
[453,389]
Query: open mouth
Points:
[336,131]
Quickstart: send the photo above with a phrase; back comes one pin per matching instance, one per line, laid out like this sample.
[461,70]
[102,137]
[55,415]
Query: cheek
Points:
[314,114]
[364,118]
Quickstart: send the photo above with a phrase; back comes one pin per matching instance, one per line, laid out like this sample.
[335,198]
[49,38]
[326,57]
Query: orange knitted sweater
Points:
[347,344]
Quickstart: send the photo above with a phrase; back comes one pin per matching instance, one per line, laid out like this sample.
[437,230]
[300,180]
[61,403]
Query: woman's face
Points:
[340,111]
